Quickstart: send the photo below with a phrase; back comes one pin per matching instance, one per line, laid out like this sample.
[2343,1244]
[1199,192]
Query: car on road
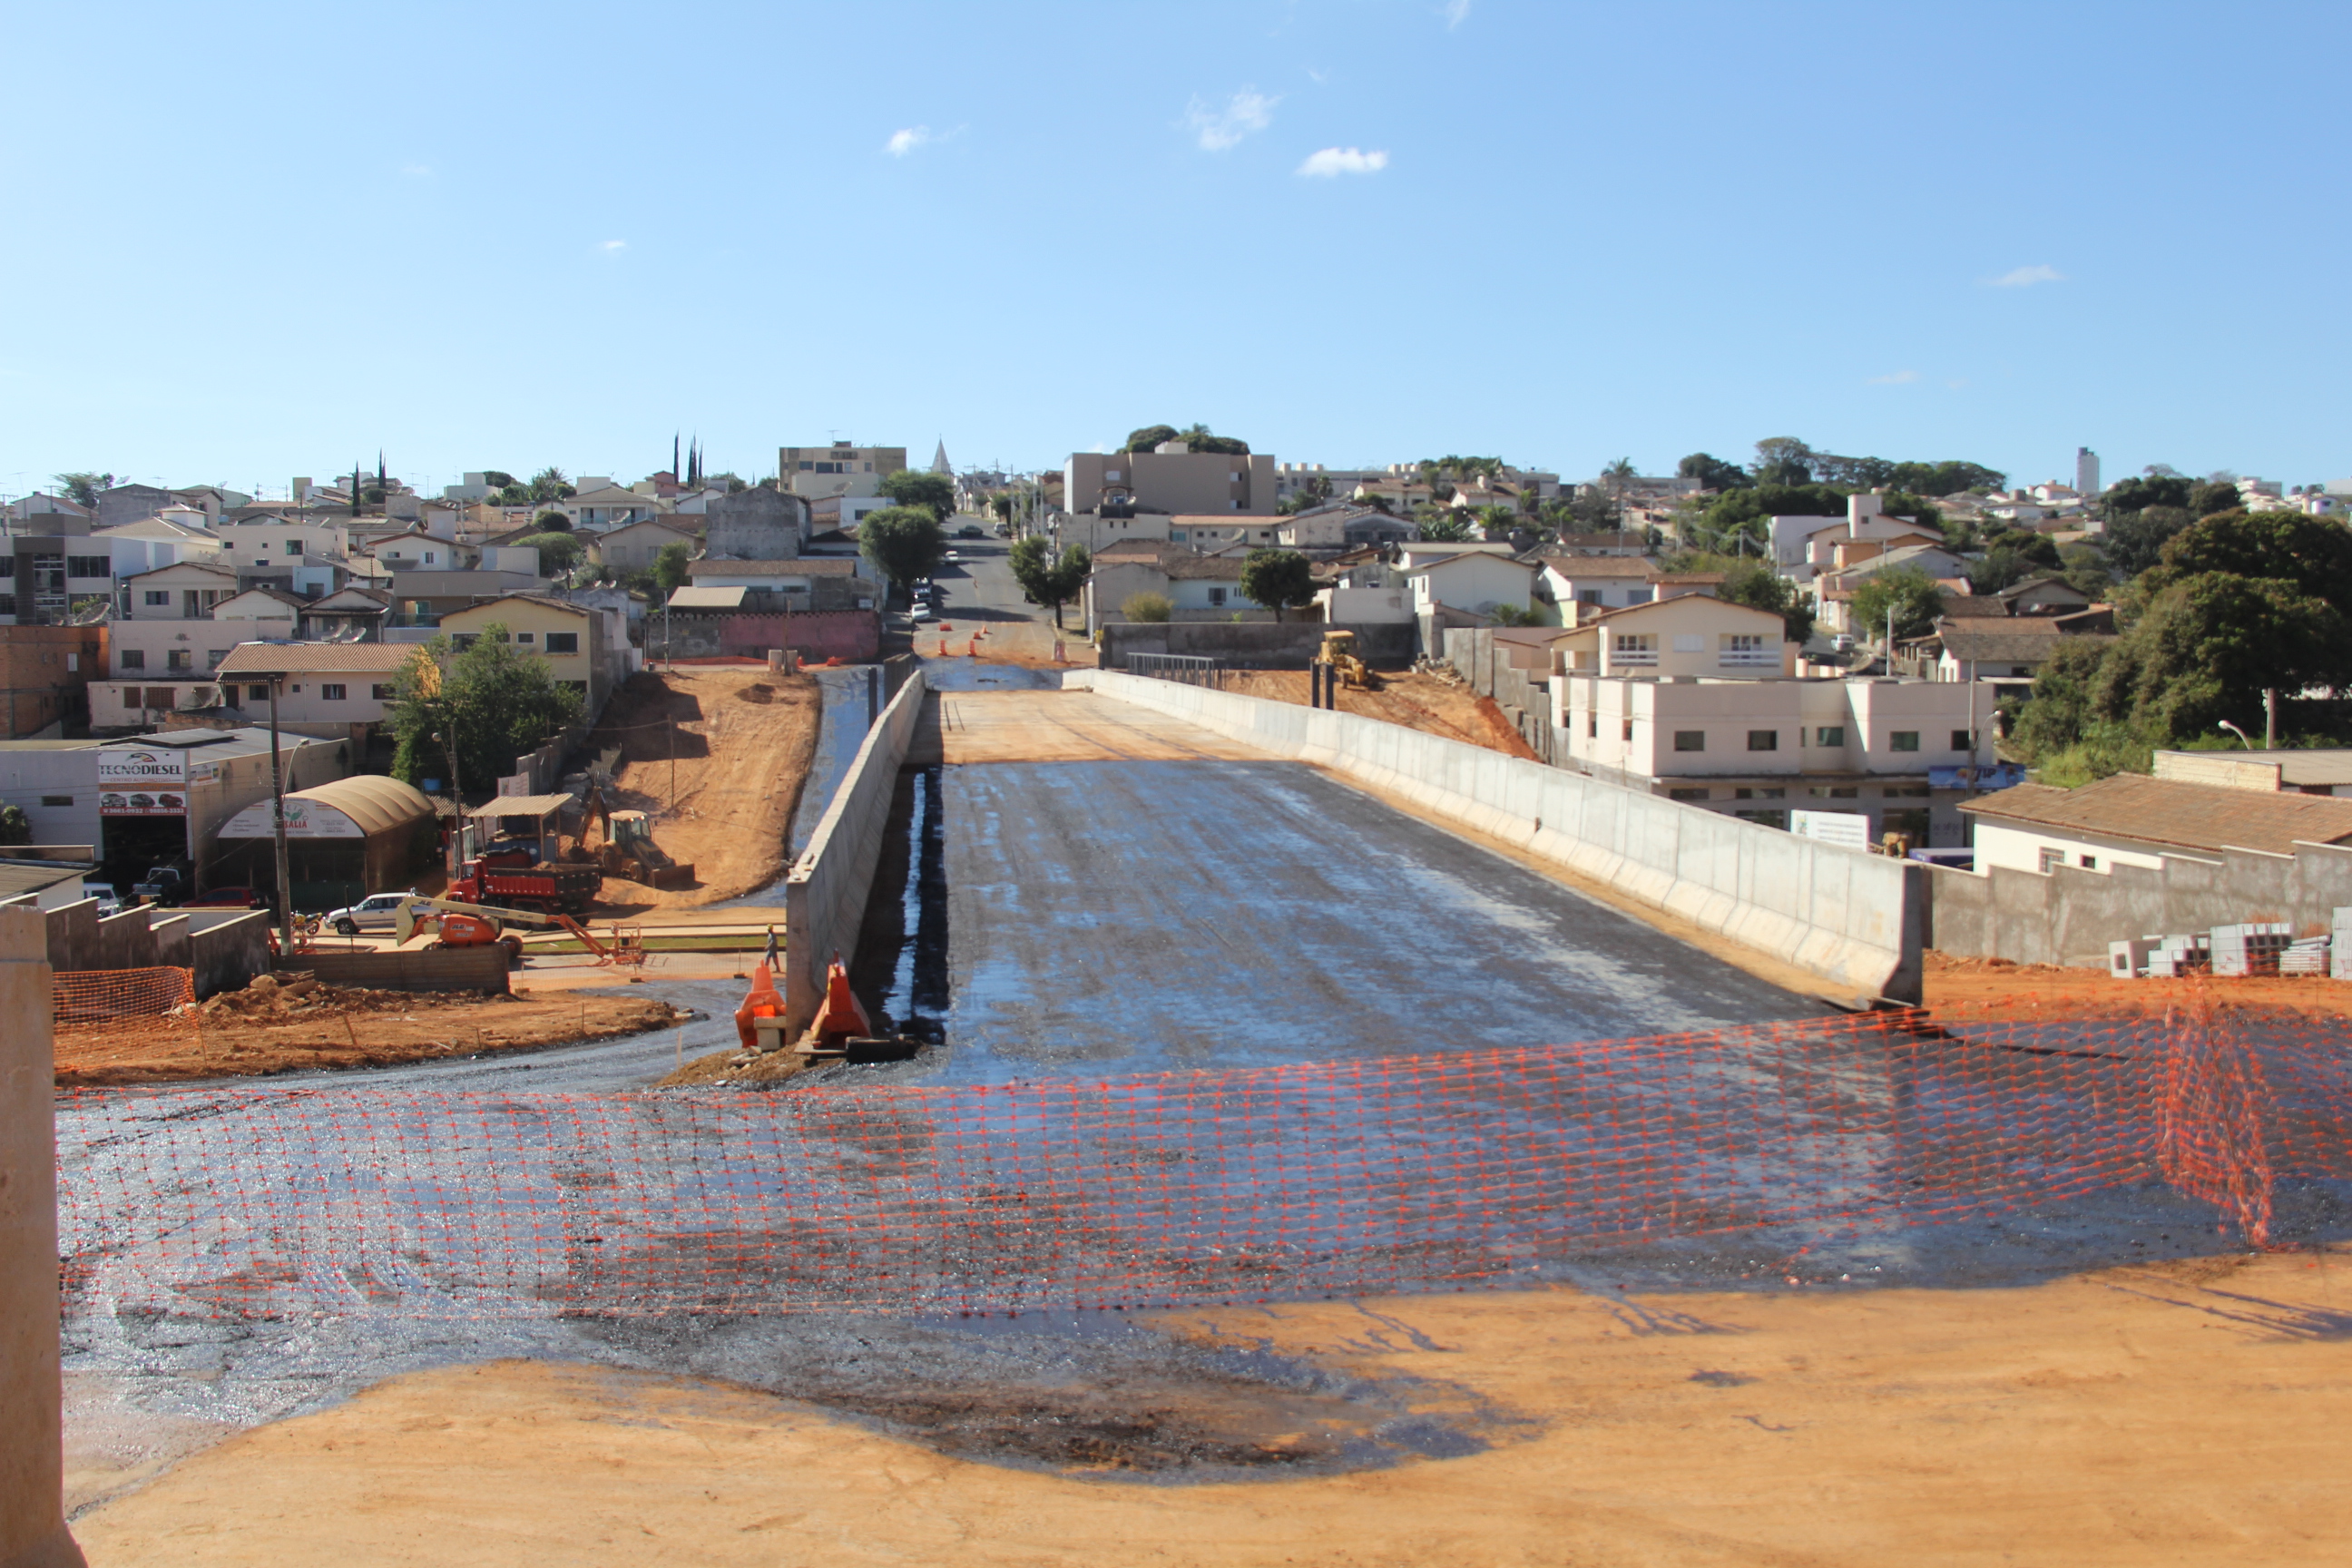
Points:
[377,911]
[969,531]
[923,612]
[951,555]
[229,898]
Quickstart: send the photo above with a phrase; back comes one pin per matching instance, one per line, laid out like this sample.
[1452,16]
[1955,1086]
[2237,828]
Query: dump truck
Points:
[549,888]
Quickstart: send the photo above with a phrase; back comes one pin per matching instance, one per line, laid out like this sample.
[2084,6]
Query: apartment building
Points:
[586,647]
[1691,635]
[838,469]
[1901,754]
[1171,478]
[45,672]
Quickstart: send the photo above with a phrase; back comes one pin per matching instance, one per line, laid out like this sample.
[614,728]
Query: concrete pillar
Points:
[33,1531]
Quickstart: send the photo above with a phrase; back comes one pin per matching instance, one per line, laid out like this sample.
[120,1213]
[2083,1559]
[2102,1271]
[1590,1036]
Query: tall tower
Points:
[939,460]
[2087,471]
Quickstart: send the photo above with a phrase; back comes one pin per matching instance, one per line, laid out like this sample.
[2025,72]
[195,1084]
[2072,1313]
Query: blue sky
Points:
[257,240]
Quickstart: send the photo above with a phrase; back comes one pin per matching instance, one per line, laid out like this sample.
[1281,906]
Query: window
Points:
[1763,740]
[1908,791]
[1588,595]
[1217,595]
[1964,740]
[526,638]
[130,697]
[1835,792]
[293,547]
[161,597]
[257,692]
[1766,818]
[330,691]
[178,658]
[2088,862]
[1903,741]
[57,800]
[1629,731]
[1686,794]
[1593,725]
[2051,860]
[563,642]
[134,658]
[1829,735]
[1690,740]
[88,566]
[431,556]
[381,693]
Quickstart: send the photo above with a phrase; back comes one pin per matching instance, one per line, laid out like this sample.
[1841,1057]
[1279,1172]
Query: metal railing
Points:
[1187,669]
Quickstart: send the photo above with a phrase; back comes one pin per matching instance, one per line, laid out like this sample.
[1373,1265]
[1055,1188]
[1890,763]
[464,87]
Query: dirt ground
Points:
[269,1028]
[745,738]
[1995,986]
[1416,702]
[2179,1413]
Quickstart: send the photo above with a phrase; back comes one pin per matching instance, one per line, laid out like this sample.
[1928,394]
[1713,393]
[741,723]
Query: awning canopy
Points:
[521,805]
[693,598]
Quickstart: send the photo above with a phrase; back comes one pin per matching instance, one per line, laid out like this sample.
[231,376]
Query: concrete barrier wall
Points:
[1254,644]
[2070,915]
[482,969]
[1856,921]
[126,941]
[224,957]
[824,893]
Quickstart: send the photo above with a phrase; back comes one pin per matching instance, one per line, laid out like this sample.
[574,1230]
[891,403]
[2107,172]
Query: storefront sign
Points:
[133,781]
[304,819]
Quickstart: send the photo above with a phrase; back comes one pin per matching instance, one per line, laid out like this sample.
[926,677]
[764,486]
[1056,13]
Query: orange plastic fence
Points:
[122,1001]
[1396,1172]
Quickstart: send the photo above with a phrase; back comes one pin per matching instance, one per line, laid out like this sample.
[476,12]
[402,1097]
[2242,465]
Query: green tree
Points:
[1498,519]
[1913,596]
[1148,437]
[497,479]
[557,552]
[552,523]
[1712,472]
[2126,497]
[1783,460]
[549,484]
[1277,580]
[1147,607]
[2135,540]
[669,571]
[903,543]
[1444,528]
[495,700]
[2060,713]
[1045,580]
[913,487]
[1196,437]
[2213,496]
[2313,553]
[1758,586]
[2207,645]
[16,827]
[82,486]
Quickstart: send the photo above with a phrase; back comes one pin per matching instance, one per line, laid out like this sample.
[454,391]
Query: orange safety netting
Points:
[1385,1174]
[113,1004]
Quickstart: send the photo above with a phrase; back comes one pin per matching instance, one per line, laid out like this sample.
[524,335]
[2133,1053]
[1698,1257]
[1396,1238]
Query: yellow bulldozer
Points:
[1338,654]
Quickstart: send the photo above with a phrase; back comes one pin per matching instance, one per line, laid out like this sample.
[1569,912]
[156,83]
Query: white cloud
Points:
[1455,11]
[1334,160]
[905,142]
[1900,378]
[615,244]
[1218,128]
[2027,277]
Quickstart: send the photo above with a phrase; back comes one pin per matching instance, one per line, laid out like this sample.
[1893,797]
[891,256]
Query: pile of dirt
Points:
[1997,987]
[1406,698]
[716,756]
[296,1023]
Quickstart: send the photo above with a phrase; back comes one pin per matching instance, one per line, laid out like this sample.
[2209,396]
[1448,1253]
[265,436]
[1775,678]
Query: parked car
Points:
[952,556]
[377,911]
[923,612]
[969,531]
[164,885]
[110,902]
[230,898]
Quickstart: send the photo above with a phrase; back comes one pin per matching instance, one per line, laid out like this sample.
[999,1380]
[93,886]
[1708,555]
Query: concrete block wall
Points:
[826,891]
[224,957]
[1855,922]
[1257,644]
[2070,915]
[1525,701]
[223,948]
[126,941]
[854,636]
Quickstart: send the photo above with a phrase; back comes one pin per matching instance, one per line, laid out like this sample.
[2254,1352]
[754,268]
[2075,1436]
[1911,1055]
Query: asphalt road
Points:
[1101,919]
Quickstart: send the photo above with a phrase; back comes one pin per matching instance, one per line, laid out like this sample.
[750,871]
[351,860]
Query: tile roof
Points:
[1227,568]
[2169,813]
[1974,608]
[2008,642]
[263,658]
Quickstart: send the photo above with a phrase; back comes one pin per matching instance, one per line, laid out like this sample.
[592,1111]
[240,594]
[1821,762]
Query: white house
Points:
[2131,819]
[1479,584]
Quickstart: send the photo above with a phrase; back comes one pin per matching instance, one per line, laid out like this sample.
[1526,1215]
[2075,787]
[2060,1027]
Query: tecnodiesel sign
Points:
[133,781]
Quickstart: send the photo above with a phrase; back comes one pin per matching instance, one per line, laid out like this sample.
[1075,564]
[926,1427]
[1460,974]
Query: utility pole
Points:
[2270,717]
[278,814]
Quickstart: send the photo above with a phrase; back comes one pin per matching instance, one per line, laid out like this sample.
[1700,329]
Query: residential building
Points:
[1198,587]
[1219,532]
[50,573]
[794,583]
[1624,542]
[129,504]
[1901,754]
[41,504]
[597,504]
[141,546]
[838,469]
[2133,819]
[845,512]
[2044,597]
[324,689]
[1474,582]
[2008,650]
[1596,582]
[634,546]
[1098,531]
[186,591]
[757,524]
[1690,635]
[348,615]
[1171,478]
[416,550]
[2087,472]
[420,599]
[585,647]
[44,674]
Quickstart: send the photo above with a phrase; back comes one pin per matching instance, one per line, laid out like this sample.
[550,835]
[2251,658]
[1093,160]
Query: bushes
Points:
[1148,607]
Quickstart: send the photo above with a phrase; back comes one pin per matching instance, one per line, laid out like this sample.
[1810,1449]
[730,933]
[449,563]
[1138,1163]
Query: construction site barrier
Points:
[105,1004]
[1394,1173]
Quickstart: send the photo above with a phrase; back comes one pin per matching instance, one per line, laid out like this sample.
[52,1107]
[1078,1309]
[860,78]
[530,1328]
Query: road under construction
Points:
[1233,1061]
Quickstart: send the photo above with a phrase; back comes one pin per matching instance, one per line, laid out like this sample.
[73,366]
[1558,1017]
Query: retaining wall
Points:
[851,636]
[223,948]
[225,956]
[2070,915]
[1856,921]
[1257,645]
[480,969]
[826,891]
[1524,701]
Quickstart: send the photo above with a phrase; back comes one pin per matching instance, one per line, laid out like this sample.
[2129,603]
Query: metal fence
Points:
[1188,669]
